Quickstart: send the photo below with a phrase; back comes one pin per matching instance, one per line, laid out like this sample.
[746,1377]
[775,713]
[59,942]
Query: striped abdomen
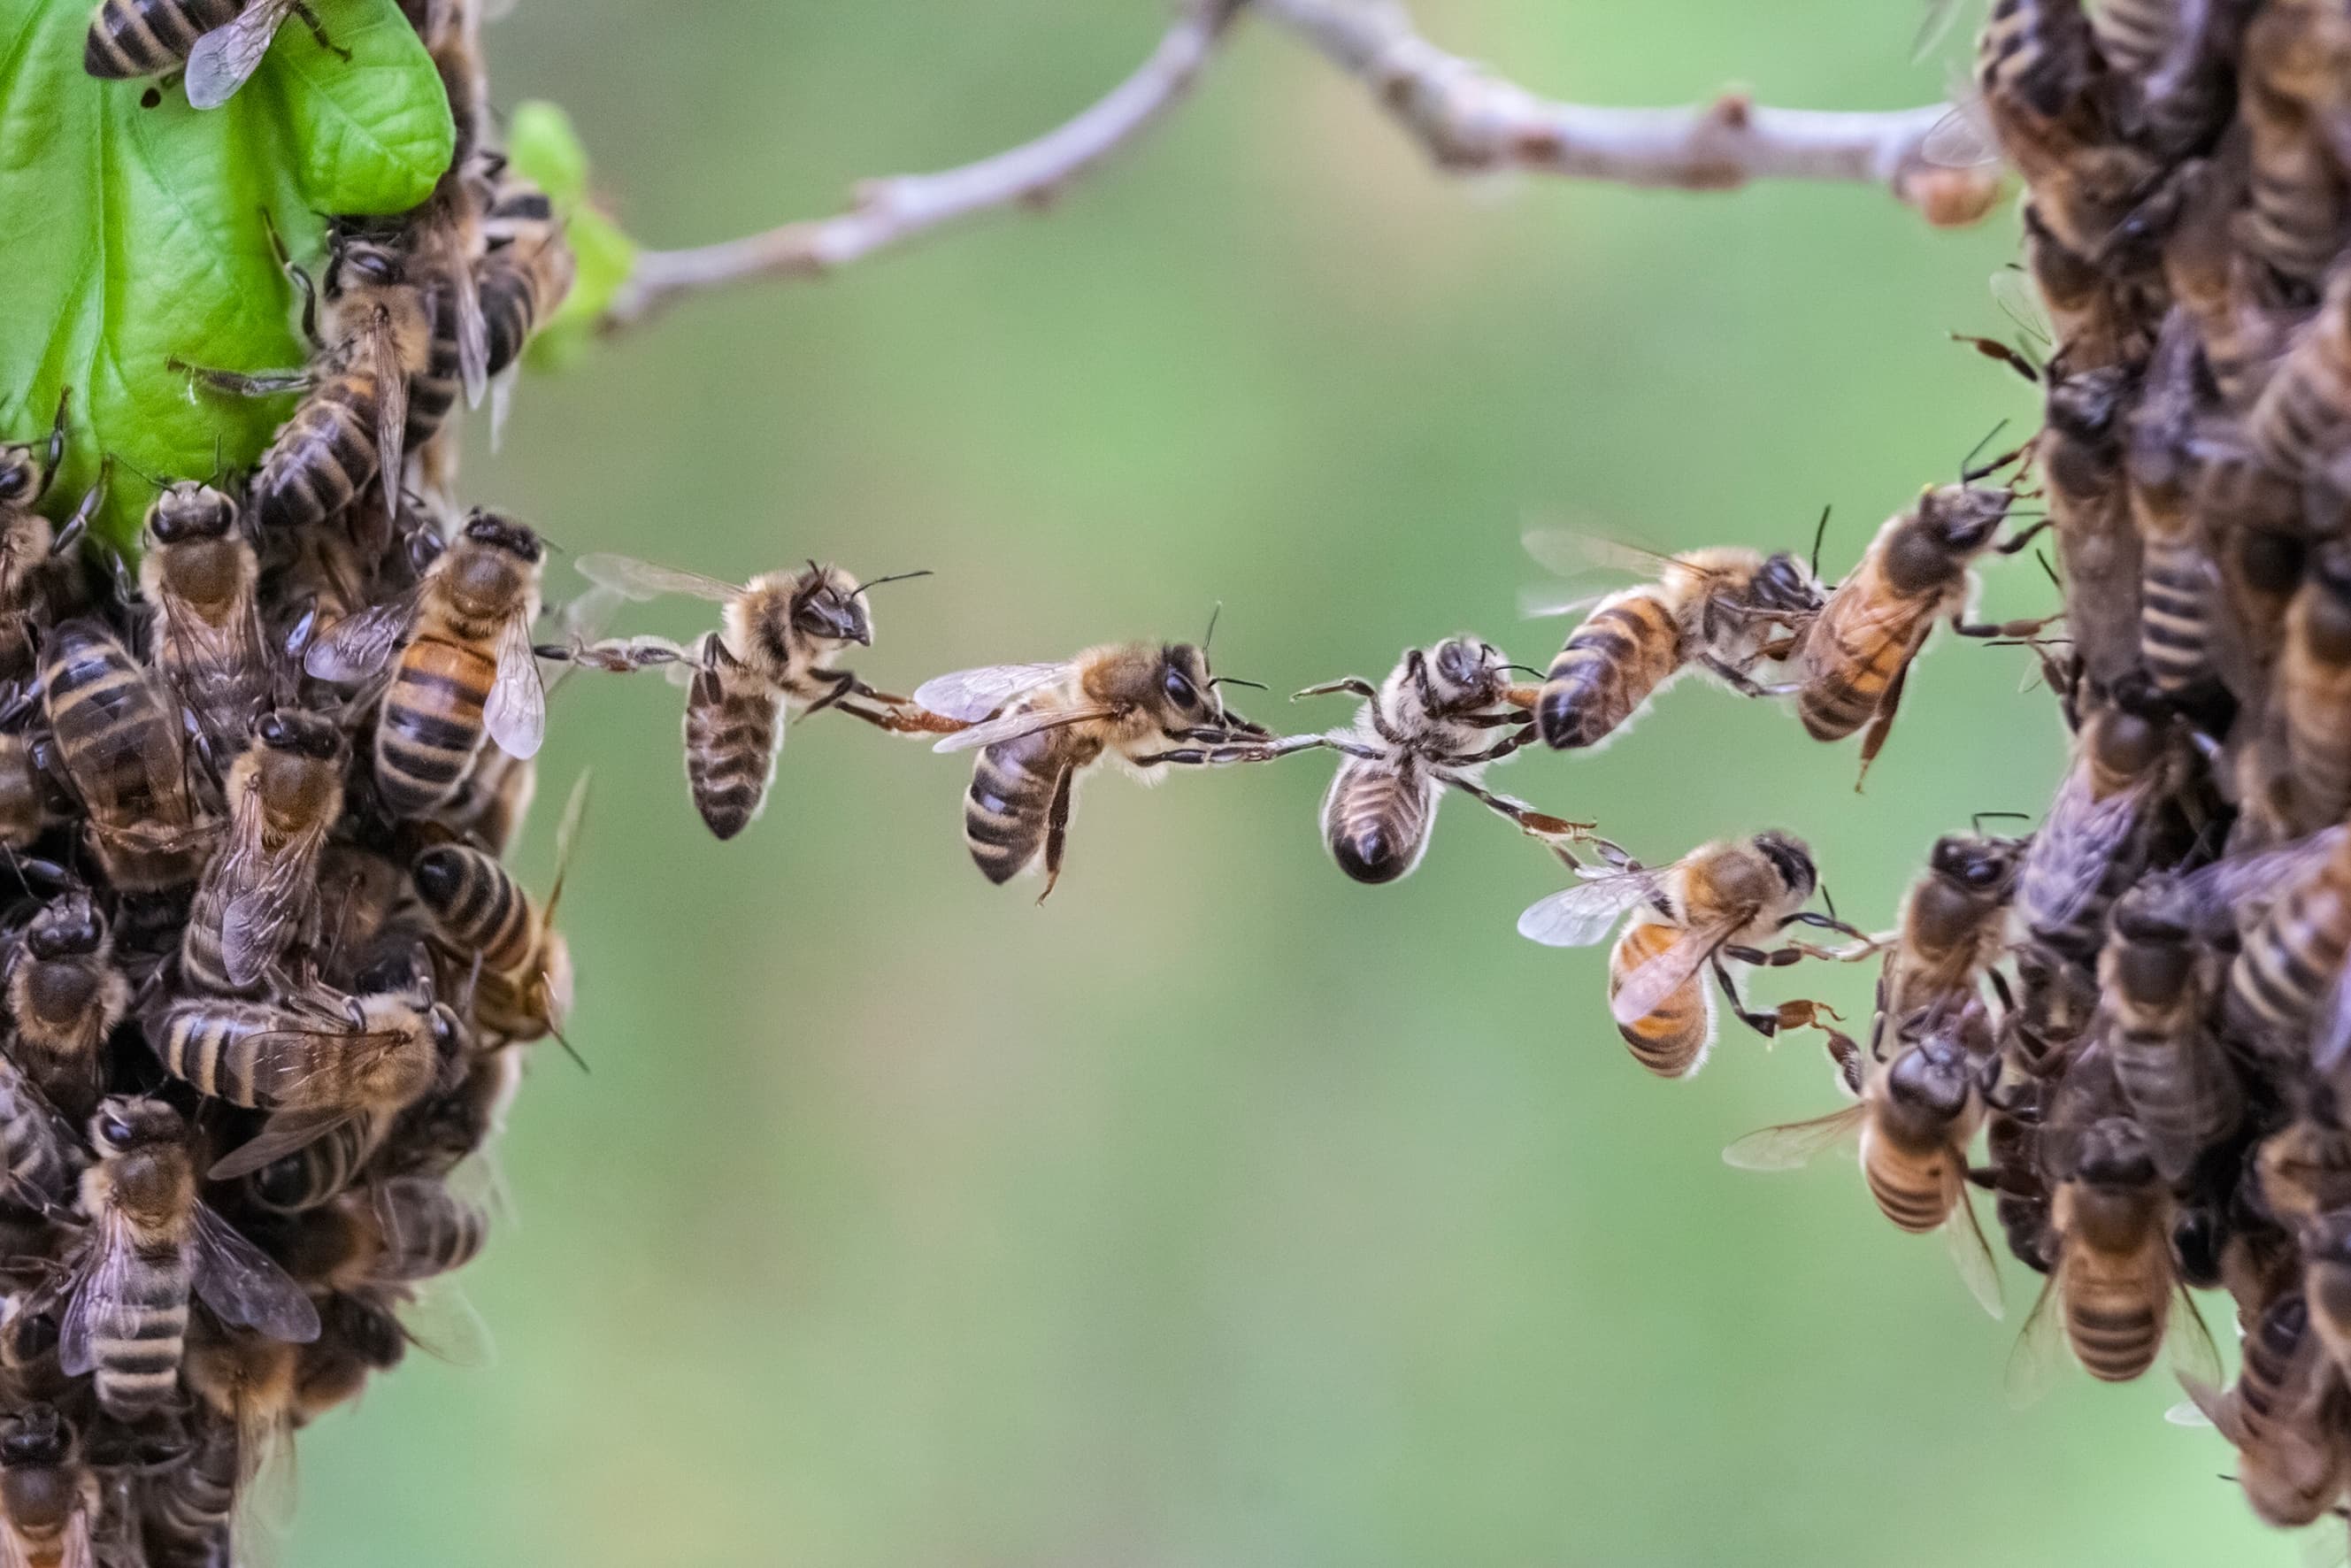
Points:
[519,284]
[433,391]
[1672,1040]
[1848,669]
[121,745]
[431,726]
[2116,1306]
[321,1168]
[22,806]
[1012,794]
[42,1166]
[2305,410]
[2316,699]
[1624,651]
[141,38]
[427,1230]
[2177,590]
[250,1054]
[2181,1100]
[1918,1195]
[477,905]
[323,456]
[2294,222]
[2291,956]
[136,1334]
[731,734]
[1377,816]
[2134,34]
[189,1504]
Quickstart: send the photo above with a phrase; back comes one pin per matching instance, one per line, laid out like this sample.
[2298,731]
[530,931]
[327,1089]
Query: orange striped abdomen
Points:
[1850,668]
[431,726]
[1672,1040]
[1376,818]
[1918,1195]
[2292,953]
[2115,1310]
[2316,698]
[1626,649]
[322,457]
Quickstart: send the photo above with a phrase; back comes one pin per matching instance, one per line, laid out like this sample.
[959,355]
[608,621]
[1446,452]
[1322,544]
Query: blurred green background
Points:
[1222,1211]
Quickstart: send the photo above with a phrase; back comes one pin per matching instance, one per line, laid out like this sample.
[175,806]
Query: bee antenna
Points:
[1237,681]
[894,577]
[1211,637]
[1828,899]
[1819,532]
[1529,670]
[1981,818]
[134,467]
[570,1049]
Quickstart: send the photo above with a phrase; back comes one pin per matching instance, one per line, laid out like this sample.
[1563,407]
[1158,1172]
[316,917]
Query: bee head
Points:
[1463,667]
[1973,861]
[21,474]
[1784,582]
[1184,684]
[36,1435]
[500,532]
[68,926]
[123,1122]
[2114,1153]
[362,261]
[1956,522]
[298,734]
[187,511]
[1789,860]
[829,606]
[1935,1077]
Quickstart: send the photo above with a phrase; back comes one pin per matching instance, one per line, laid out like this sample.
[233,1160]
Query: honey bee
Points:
[2292,102]
[152,1243]
[187,1507]
[244,1388]
[2176,58]
[258,896]
[1430,724]
[1724,610]
[358,894]
[2287,984]
[67,994]
[27,542]
[1855,654]
[527,269]
[2158,980]
[320,583]
[2093,839]
[2094,323]
[774,655]
[1722,901]
[2302,1170]
[2113,1289]
[359,1337]
[199,575]
[2180,586]
[465,666]
[523,987]
[394,1232]
[2046,95]
[222,41]
[2313,691]
[41,1153]
[312,1069]
[2098,552]
[1915,1117]
[445,1128]
[2208,275]
[2325,1243]
[2284,1417]
[1037,726]
[117,744]
[49,1500]
[2303,414]
[1952,929]
[24,793]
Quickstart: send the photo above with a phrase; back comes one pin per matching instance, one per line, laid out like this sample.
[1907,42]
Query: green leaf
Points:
[543,148]
[150,244]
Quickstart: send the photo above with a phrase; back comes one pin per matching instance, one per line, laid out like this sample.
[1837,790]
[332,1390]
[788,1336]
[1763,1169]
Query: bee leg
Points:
[1057,830]
[1831,923]
[2000,988]
[237,383]
[1765,1024]
[1416,664]
[1225,754]
[319,30]
[1353,686]
[77,524]
[55,453]
[1538,824]
[2003,629]
[842,681]
[1881,724]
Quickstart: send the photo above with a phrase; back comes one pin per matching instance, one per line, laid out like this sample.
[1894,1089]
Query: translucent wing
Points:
[1573,553]
[260,922]
[1012,727]
[285,1132]
[1581,915]
[2230,892]
[516,713]
[1538,603]
[473,331]
[2208,1400]
[438,1320]
[634,578]
[1646,988]
[2013,290]
[2187,1413]
[2194,1357]
[1972,1255]
[390,410]
[1793,1144]
[1964,138]
[358,646]
[975,695]
[2074,848]
[223,58]
[2040,1348]
[245,1288]
[1933,27]
[103,1278]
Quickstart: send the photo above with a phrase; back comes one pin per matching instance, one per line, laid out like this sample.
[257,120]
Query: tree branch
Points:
[1470,121]
[1467,118]
[903,207]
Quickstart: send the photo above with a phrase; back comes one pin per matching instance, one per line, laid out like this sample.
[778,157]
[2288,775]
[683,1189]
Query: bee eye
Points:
[114,1129]
[1179,690]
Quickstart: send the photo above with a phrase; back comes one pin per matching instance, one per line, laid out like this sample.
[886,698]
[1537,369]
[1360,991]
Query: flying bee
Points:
[2292,104]
[119,745]
[2303,414]
[312,1069]
[1037,726]
[465,668]
[1952,929]
[2113,1289]
[1430,724]
[152,1243]
[523,987]
[1855,656]
[258,898]
[1724,610]
[27,541]
[370,330]
[2284,1417]
[782,632]
[49,1500]
[2158,980]
[222,41]
[67,994]
[1915,1117]
[1722,901]
[2090,841]
[199,575]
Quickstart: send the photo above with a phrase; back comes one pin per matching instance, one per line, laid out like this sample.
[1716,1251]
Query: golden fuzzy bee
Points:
[2283,1416]
[464,670]
[2158,980]
[1723,901]
[66,994]
[1915,1119]
[259,895]
[1952,930]
[1038,728]
[782,633]
[119,745]
[1725,611]
[49,1500]
[152,1244]
[1432,725]
[522,982]
[222,41]
[200,578]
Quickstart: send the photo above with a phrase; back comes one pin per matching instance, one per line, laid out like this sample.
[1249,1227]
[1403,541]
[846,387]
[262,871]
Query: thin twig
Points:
[890,211]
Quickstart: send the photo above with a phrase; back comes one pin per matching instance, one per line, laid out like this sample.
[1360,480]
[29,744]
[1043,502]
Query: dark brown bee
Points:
[2285,974]
[2296,58]
[42,1154]
[24,806]
[2051,104]
[49,1501]
[119,745]
[1953,924]
[2180,586]
[66,995]
[28,542]
[2284,1417]
[200,578]
[2313,692]
[188,1507]
[2093,839]
[2080,450]
[2304,414]
[2158,981]
[358,1337]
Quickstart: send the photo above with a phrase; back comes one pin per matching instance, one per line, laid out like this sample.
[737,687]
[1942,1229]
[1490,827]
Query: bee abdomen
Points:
[2116,1337]
[432,724]
[1841,696]
[1608,668]
[2288,959]
[140,37]
[1003,811]
[137,1335]
[430,1230]
[189,1505]
[476,903]
[730,751]
[2176,617]
[1917,1208]
[510,307]
[321,458]
[1376,819]
[1672,1039]
[433,391]
[2293,416]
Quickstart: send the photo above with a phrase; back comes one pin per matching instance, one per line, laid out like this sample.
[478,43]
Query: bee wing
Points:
[2040,1348]
[2189,1342]
[1538,603]
[236,644]
[358,646]
[2012,291]
[473,331]
[975,695]
[103,1276]
[1933,27]
[244,1287]
[2232,892]
[1571,552]
[285,1132]
[1012,727]
[223,58]
[390,410]
[634,578]
[2075,847]
[1646,988]
[1971,1254]
[1793,1144]
[438,1320]
[2208,1400]
[516,713]
[1581,915]
[1964,138]
[260,921]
